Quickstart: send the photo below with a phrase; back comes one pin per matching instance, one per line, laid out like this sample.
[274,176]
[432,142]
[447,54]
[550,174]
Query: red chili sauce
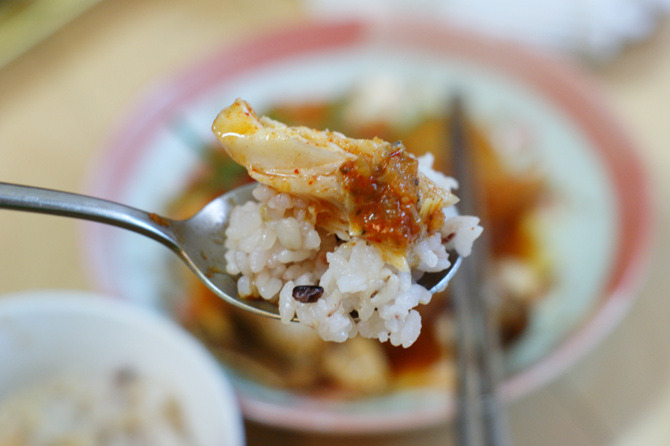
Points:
[386,196]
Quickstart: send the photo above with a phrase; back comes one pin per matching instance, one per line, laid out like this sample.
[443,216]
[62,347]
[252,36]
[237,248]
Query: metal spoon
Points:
[198,241]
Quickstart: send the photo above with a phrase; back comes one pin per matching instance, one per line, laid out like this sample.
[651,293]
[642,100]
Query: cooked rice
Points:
[274,245]
[118,409]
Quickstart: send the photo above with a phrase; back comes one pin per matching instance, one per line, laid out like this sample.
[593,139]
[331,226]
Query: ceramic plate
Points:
[597,241]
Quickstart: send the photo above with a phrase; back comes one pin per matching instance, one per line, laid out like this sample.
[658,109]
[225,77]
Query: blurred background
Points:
[70,70]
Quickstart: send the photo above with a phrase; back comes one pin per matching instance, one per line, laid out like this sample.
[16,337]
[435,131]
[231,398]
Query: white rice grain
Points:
[273,245]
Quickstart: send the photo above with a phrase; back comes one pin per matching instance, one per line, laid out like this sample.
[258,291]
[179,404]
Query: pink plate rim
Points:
[566,88]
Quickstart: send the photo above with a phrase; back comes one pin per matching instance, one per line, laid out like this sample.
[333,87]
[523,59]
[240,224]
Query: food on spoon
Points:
[342,228]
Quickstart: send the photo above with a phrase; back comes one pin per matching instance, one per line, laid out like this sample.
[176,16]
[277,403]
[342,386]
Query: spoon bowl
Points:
[199,241]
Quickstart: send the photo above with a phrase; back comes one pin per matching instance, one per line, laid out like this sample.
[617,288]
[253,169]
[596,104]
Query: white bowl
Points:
[52,333]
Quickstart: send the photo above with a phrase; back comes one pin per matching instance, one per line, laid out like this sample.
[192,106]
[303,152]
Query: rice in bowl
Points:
[122,408]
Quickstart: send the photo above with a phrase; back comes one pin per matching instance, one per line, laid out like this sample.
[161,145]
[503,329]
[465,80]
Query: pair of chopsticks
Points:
[479,413]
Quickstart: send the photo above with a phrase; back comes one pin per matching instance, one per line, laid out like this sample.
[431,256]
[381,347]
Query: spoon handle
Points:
[66,204]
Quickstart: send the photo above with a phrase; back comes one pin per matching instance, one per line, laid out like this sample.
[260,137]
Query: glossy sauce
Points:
[385,197]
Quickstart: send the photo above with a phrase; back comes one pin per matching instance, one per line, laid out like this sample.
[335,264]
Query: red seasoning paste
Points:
[386,197]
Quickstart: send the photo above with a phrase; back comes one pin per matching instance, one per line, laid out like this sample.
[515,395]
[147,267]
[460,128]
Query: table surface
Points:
[59,101]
